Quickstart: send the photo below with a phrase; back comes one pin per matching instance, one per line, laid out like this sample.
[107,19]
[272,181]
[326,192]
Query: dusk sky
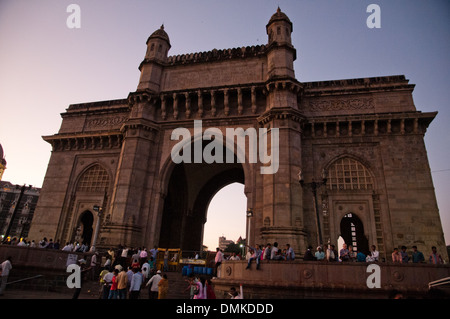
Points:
[46,66]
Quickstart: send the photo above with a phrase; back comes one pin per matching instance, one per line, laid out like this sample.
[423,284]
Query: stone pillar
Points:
[200,103]
[240,107]
[213,102]
[163,107]
[188,105]
[282,210]
[226,106]
[136,169]
[253,100]
[175,106]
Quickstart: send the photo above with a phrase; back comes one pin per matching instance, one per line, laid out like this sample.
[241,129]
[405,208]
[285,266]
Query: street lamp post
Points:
[314,186]
[249,224]
[99,210]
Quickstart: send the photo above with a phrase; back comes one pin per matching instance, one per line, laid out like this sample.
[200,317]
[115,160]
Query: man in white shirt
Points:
[153,282]
[135,285]
[68,247]
[374,253]
[218,259]
[274,252]
[107,281]
[6,267]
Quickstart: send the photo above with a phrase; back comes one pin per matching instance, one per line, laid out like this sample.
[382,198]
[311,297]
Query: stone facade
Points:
[365,132]
[17,206]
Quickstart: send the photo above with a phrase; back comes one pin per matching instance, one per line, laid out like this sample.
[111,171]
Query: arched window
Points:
[347,173]
[95,179]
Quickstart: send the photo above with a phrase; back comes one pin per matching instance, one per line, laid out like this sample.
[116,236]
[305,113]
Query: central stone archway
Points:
[186,203]
[190,188]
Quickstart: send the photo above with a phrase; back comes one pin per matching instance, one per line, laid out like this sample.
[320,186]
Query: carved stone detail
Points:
[345,104]
[106,122]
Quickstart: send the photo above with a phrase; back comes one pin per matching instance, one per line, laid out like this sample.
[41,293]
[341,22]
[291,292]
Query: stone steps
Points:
[56,282]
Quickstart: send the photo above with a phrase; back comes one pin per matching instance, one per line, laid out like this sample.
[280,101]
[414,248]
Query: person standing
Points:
[210,294]
[107,282]
[435,257]
[163,287]
[153,283]
[166,260]
[124,257]
[143,256]
[417,256]
[320,255]
[113,292]
[201,289]
[94,265]
[154,253]
[331,256]
[404,254]
[136,283]
[309,255]
[396,257]
[6,267]
[122,283]
[218,260]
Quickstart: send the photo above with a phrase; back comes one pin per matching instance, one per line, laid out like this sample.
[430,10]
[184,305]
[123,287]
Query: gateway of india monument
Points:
[351,163]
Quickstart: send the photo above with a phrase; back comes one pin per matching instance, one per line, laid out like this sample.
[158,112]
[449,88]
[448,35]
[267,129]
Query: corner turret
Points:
[158,46]
[281,53]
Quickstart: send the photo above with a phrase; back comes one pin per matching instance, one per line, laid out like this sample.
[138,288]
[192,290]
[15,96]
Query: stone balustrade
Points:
[314,279]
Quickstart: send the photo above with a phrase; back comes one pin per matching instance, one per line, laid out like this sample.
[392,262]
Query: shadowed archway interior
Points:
[186,203]
[352,231]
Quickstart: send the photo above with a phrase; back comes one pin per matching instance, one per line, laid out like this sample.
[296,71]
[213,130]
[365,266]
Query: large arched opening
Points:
[190,189]
[226,216]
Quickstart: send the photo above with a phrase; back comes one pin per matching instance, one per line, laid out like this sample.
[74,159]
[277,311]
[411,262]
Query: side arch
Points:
[92,186]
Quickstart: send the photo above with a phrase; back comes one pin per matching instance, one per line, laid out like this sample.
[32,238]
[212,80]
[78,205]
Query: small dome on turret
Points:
[161,34]
[279,16]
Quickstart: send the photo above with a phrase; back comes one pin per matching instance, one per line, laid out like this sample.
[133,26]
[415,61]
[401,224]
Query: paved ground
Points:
[90,290]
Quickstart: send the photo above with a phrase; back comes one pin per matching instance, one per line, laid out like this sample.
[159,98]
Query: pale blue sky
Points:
[45,66]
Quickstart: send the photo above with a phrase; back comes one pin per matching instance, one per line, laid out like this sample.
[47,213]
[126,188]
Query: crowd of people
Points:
[48,244]
[268,252]
[259,252]
[127,272]
[329,253]
[349,254]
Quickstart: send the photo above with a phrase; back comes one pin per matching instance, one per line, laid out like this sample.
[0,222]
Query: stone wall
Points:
[35,259]
[312,279]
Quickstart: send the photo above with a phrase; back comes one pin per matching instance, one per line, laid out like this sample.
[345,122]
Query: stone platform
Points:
[314,279]
[275,279]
